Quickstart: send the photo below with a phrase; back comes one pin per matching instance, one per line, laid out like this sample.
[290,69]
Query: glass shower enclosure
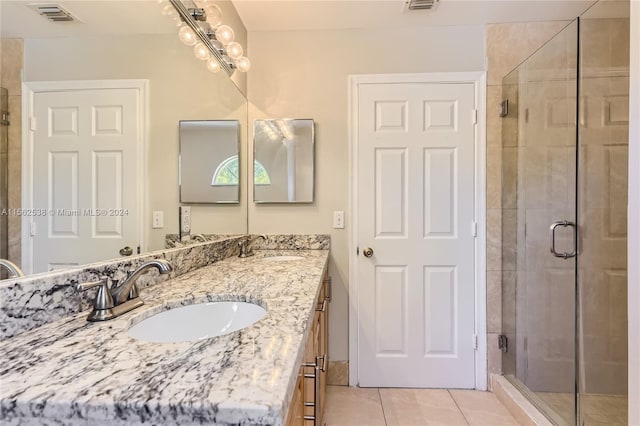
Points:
[565,138]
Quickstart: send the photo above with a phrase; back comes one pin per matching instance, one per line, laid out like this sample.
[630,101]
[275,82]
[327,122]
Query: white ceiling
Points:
[269,15]
[109,17]
[92,18]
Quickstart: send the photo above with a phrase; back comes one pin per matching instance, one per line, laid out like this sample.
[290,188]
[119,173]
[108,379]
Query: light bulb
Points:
[187,36]
[224,34]
[213,65]
[234,50]
[214,15]
[243,64]
[168,9]
[201,51]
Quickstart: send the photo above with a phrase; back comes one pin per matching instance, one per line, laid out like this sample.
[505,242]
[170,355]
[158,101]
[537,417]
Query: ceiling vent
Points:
[421,4]
[52,12]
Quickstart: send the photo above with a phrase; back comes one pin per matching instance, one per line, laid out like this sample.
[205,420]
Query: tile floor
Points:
[348,406]
[596,410]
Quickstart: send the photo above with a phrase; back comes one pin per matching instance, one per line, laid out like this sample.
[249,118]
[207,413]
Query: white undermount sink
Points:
[197,322]
[282,258]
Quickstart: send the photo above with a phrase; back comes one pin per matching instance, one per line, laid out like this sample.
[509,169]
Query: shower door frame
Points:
[534,241]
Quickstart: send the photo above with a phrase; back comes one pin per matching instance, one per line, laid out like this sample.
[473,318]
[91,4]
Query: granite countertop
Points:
[73,372]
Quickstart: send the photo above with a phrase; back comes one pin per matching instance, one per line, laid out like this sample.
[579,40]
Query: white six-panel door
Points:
[415,188]
[85,175]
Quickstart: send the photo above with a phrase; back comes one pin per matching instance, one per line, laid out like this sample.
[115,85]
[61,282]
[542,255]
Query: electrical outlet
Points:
[185,219]
[158,220]
[338,219]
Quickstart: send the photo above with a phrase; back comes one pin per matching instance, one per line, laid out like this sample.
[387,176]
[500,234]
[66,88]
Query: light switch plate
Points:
[157,220]
[338,219]
[185,220]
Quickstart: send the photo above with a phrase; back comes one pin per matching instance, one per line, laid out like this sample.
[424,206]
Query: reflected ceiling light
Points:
[234,50]
[224,34]
[201,51]
[213,65]
[201,26]
[187,36]
[243,64]
[214,15]
[285,126]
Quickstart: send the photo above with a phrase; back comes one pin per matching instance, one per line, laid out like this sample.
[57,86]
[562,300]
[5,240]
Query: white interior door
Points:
[85,176]
[416,212]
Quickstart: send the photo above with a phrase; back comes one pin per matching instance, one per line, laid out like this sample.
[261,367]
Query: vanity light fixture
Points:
[278,129]
[201,27]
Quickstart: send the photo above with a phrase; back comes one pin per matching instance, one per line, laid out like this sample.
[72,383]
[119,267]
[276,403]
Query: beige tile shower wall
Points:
[507,45]
[11,63]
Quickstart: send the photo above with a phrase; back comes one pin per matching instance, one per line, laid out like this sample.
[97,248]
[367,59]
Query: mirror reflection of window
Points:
[227,173]
[260,174]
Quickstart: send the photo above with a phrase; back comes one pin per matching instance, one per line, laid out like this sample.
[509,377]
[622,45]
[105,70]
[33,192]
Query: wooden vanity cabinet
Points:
[307,404]
[296,409]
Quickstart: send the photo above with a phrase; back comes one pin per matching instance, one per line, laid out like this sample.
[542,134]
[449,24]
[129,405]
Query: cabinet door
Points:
[311,349]
[323,344]
[316,350]
[296,410]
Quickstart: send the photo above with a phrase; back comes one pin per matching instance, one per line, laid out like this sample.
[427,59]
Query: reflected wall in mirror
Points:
[209,162]
[120,41]
[283,170]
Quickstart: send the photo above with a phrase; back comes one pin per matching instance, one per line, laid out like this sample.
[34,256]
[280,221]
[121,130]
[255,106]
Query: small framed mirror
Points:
[209,161]
[284,157]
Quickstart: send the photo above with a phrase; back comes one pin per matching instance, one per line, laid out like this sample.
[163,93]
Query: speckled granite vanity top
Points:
[74,372]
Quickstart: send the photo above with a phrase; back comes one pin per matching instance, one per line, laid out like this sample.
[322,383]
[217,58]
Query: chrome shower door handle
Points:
[552,237]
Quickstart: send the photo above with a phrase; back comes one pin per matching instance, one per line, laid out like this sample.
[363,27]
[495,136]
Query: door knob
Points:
[368,252]
[126,251]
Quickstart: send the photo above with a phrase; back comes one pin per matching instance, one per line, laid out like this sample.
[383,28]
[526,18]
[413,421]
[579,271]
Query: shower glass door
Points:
[538,231]
[602,200]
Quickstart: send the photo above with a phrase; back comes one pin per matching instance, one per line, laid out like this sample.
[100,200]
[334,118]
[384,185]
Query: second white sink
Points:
[197,322]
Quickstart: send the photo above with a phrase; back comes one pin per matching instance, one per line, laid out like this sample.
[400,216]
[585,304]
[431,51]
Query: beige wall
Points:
[180,88]
[304,74]
[11,60]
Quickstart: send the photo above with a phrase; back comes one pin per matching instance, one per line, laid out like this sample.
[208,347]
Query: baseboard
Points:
[338,373]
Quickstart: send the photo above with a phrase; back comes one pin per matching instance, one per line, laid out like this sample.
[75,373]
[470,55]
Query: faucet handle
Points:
[245,251]
[104,300]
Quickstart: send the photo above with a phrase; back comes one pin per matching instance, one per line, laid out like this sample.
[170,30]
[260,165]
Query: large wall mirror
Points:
[122,40]
[283,169]
[209,161]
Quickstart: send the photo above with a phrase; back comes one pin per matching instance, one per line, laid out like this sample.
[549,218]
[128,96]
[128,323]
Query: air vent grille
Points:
[421,4]
[52,12]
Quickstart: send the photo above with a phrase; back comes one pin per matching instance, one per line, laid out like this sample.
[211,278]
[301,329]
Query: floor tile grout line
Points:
[458,406]
[384,415]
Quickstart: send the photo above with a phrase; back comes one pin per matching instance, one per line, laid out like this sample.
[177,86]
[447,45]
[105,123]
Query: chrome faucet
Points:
[14,270]
[199,237]
[246,245]
[111,303]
